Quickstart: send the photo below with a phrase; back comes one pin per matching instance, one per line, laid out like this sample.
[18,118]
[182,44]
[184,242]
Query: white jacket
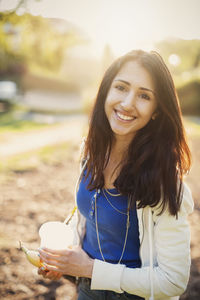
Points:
[164,253]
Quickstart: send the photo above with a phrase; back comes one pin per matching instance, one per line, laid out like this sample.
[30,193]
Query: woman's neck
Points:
[119,147]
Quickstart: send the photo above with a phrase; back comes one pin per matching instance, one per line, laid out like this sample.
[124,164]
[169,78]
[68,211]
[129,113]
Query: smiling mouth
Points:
[124,117]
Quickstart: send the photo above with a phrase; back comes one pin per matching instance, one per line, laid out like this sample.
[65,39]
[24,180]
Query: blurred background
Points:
[53,55]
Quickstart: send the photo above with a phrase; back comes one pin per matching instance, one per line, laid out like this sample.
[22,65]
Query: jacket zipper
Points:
[142,233]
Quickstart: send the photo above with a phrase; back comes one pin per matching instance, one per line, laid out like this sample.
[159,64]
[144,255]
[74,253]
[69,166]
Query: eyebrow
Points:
[141,88]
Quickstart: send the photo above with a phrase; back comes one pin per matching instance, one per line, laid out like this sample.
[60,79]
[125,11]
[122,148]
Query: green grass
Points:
[29,161]
[10,123]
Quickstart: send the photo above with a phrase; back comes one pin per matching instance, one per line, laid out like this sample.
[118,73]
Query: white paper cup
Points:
[56,235]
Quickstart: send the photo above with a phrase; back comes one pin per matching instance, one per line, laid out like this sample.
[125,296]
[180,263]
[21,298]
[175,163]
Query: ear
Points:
[155,114]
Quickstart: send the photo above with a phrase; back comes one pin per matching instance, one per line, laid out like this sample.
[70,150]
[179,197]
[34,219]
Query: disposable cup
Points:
[56,235]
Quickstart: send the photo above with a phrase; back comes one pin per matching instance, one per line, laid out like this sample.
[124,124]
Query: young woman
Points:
[133,238]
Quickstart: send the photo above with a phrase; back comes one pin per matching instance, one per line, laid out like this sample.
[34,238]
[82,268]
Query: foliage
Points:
[27,40]
[185,70]
[189,98]
[192,126]
[188,52]
[9,123]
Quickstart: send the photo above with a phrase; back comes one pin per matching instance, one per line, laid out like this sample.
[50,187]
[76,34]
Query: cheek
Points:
[106,108]
[108,104]
[112,97]
[146,109]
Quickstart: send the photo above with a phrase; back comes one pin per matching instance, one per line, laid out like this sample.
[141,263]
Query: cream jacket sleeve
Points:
[171,239]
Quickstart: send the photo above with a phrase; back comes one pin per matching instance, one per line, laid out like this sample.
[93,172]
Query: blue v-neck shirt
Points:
[111,226]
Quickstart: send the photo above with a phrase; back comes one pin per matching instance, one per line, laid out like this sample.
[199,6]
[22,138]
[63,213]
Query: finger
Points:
[51,275]
[44,274]
[55,252]
[52,263]
[48,259]
[42,271]
[45,256]
[54,275]
[44,252]
[55,268]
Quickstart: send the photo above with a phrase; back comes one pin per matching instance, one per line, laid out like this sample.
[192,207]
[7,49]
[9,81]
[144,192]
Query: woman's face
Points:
[131,101]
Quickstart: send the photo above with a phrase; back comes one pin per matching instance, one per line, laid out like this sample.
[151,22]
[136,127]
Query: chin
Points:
[120,133]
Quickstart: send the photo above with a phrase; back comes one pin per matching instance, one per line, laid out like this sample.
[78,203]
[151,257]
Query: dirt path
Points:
[69,131]
[31,198]
[28,200]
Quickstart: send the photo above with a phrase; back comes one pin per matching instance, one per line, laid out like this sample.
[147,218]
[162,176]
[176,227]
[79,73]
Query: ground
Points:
[27,201]
[31,197]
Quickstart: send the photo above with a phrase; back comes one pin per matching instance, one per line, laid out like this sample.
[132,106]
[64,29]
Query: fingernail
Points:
[45,265]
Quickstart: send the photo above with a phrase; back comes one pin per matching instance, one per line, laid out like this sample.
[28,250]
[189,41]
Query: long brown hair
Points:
[158,156]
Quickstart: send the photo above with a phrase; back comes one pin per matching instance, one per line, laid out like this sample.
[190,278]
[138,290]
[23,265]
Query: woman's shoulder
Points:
[186,207]
[82,145]
[83,159]
[187,204]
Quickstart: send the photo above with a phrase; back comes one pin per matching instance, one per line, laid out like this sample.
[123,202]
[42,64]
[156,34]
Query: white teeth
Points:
[123,117]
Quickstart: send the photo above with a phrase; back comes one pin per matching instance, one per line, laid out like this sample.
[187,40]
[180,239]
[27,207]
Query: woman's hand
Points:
[72,261]
[49,274]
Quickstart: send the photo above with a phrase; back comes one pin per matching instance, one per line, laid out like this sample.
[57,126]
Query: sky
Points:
[123,24]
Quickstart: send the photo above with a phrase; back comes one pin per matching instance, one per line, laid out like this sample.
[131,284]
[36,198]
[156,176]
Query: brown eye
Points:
[120,87]
[145,96]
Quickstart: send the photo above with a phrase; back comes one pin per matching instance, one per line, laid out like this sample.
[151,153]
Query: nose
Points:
[129,101]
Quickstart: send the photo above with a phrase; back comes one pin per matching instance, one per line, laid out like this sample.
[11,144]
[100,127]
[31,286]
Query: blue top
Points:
[111,226]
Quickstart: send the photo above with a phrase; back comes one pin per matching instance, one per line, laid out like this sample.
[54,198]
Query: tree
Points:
[187,50]
[28,40]
[20,4]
